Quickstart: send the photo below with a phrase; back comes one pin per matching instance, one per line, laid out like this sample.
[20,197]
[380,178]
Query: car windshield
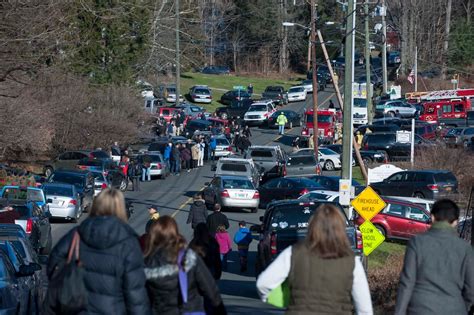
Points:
[57,191]
[19,248]
[276,114]
[237,184]
[154,158]
[321,118]
[202,91]
[222,142]
[327,151]
[98,175]
[75,180]
[360,102]
[272,89]
[296,90]
[258,108]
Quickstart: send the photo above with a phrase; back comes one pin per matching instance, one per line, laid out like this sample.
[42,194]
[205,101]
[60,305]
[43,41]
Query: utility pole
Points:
[384,48]
[315,79]
[367,64]
[415,69]
[348,137]
[178,65]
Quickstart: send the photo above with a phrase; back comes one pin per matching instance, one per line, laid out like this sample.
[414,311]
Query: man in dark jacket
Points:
[186,157]
[113,264]
[438,272]
[198,211]
[176,160]
[217,219]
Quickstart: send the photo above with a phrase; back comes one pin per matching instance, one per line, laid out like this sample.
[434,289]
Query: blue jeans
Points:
[176,167]
[224,261]
[146,174]
[281,129]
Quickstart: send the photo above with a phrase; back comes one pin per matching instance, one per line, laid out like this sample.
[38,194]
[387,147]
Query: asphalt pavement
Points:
[173,196]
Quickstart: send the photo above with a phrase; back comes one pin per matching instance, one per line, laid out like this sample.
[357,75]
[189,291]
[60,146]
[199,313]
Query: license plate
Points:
[241,195]
[58,202]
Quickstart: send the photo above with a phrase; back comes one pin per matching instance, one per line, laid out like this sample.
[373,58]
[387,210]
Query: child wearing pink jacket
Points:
[225,245]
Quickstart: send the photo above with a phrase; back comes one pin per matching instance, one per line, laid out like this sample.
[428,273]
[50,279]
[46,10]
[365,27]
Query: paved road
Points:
[172,197]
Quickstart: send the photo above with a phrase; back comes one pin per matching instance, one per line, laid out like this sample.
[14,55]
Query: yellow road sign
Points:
[371,237]
[368,203]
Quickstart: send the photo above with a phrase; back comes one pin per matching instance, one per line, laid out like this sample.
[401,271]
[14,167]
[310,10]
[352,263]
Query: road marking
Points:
[184,204]
[327,98]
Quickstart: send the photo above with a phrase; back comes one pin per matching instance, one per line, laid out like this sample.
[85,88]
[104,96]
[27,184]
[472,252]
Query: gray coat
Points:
[438,274]
[197,213]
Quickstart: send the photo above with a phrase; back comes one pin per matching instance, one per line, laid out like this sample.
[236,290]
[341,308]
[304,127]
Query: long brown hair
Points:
[110,202]
[164,235]
[327,233]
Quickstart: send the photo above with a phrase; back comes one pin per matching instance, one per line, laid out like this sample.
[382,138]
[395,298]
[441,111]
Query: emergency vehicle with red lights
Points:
[327,122]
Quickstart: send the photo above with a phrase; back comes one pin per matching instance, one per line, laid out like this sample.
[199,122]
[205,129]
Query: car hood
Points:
[255,113]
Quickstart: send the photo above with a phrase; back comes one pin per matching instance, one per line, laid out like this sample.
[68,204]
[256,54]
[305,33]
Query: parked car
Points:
[64,201]
[427,204]
[69,159]
[32,218]
[425,130]
[216,70]
[308,85]
[236,109]
[270,160]
[363,129]
[82,180]
[400,219]
[167,113]
[158,166]
[294,119]
[393,108]
[224,147]
[301,165]
[237,95]
[332,183]
[197,125]
[285,188]
[258,113]
[88,164]
[167,93]
[232,192]
[200,94]
[191,111]
[297,94]
[368,156]
[329,160]
[285,223]
[432,184]
[276,94]
[460,136]
[238,167]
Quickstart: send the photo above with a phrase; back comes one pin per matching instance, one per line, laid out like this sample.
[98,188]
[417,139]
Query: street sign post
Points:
[368,203]
[371,237]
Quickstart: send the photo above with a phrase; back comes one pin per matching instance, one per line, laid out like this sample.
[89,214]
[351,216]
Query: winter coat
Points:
[225,245]
[113,263]
[195,151]
[213,143]
[246,132]
[163,284]
[208,250]
[197,213]
[281,120]
[216,219]
[175,154]
[185,154]
[167,153]
[243,238]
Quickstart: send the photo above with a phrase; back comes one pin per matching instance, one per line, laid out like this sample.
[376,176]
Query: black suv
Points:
[285,223]
[82,180]
[422,184]
[236,109]
[270,159]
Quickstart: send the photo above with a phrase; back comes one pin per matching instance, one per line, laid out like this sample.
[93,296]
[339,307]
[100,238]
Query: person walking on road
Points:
[213,146]
[195,155]
[281,122]
[111,259]
[225,245]
[176,277]
[198,212]
[206,246]
[247,132]
[186,157]
[167,155]
[134,174]
[146,166]
[176,160]
[202,146]
[243,238]
[216,219]
[322,272]
[438,271]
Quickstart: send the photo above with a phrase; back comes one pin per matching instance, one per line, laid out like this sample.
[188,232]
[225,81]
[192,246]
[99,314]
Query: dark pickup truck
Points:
[286,222]
[276,93]
[236,109]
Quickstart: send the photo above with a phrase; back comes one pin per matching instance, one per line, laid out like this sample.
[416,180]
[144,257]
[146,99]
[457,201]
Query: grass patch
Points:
[220,84]
[357,175]
[382,254]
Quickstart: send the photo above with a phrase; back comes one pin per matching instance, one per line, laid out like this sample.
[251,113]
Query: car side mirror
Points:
[28,270]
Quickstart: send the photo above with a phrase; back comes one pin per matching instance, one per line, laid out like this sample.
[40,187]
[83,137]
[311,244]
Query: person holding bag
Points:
[175,275]
[108,264]
[321,273]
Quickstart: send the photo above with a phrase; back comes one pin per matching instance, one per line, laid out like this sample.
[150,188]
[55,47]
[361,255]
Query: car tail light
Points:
[106,173]
[229,148]
[225,194]
[29,225]
[304,132]
[73,202]
[433,187]
[385,159]
[256,195]
[359,243]
[159,166]
[284,170]
[103,186]
[82,167]
[273,244]
[366,146]
[329,133]
[304,191]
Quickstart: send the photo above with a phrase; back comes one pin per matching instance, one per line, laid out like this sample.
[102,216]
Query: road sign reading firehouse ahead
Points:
[371,237]
[368,203]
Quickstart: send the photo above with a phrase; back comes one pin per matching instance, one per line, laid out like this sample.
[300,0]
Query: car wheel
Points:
[418,195]
[366,161]
[48,170]
[49,244]
[224,115]
[254,210]
[123,185]
[391,114]
[465,144]
[381,229]
[329,165]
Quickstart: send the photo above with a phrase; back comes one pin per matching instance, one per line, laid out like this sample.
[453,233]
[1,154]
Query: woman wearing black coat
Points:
[197,212]
[162,273]
[112,259]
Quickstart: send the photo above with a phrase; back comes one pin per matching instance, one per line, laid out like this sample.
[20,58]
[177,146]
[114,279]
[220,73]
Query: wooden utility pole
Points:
[315,78]
[178,64]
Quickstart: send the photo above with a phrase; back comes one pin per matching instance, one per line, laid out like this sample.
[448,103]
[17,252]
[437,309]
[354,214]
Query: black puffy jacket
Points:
[163,285]
[113,261]
[197,213]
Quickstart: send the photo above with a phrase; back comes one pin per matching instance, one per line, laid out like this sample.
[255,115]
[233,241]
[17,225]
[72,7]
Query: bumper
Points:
[202,100]
[223,153]
[59,212]
[296,98]
[240,203]
[254,122]
[157,172]
[359,121]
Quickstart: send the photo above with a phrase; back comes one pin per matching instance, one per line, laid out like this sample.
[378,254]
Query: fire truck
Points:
[448,107]
[327,120]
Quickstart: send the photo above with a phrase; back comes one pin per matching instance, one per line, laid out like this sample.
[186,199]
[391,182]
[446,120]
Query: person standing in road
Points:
[213,146]
[111,259]
[186,157]
[243,238]
[176,277]
[146,168]
[438,272]
[167,155]
[321,271]
[331,104]
[202,146]
[134,174]
[311,142]
[197,212]
[246,132]
[216,219]
[281,122]
[225,245]
[206,246]
[176,159]
[195,155]
[250,89]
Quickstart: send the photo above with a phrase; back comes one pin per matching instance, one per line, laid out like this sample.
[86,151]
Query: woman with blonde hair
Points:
[322,273]
[176,276]
[110,255]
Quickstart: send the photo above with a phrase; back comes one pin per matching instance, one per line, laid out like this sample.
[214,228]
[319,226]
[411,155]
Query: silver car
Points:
[64,201]
[232,192]
[223,147]
[395,108]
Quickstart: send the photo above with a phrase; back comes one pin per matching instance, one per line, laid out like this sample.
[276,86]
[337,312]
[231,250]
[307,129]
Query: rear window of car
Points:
[383,138]
[154,158]
[306,183]
[156,146]
[100,155]
[295,90]
[25,194]
[202,91]
[76,180]
[57,191]
[222,142]
[444,177]
[231,167]
[261,153]
[237,184]
[305,160]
